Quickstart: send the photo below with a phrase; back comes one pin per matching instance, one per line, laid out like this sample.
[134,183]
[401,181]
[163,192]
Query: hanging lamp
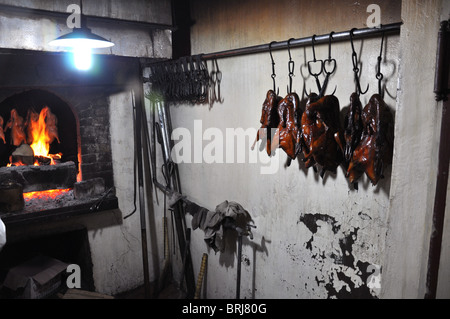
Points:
[82,41]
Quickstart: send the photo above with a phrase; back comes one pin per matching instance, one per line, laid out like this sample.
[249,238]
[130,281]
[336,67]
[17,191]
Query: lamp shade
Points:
[81,37]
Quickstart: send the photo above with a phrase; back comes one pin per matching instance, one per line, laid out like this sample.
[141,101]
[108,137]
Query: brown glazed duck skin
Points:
[269,118]
[16,125]
[288,133]
[51,123]
[2,134]
[32,117]
[320,122]
[375,150]
[353,128]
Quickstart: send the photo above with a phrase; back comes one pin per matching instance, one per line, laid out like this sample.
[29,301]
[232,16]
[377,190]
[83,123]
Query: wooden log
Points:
[11,196]
[41,178]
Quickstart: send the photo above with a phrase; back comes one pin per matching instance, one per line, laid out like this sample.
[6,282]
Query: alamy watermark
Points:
[374,19]
[215,146]
[74,19]
[74,279]
[374,279]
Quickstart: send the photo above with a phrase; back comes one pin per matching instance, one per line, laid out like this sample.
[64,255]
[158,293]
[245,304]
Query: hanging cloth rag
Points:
[211,222]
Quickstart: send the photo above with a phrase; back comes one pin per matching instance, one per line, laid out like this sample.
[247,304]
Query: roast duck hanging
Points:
[353,128]
[364,145]
[288,133]
[2,134]
[16,124]
[269,120]
[319,123]
[375,147]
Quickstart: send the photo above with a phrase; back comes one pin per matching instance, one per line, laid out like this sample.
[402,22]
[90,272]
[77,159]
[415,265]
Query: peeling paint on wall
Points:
[346,277]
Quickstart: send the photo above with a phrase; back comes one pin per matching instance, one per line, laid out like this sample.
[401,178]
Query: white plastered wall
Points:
[413,186]
[314,238]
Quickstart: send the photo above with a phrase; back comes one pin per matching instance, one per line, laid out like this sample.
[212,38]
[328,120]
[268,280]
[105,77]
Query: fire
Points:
[42,132]
[49,194]
[18,163]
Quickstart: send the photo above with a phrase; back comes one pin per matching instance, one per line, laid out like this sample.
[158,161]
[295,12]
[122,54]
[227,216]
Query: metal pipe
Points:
[442,76]
[393,28]
[441,85]
[239,261]
[138,137]
[179,212]
[164,129]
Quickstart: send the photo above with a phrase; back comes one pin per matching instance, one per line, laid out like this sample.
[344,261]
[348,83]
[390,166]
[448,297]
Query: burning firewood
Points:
[23,154]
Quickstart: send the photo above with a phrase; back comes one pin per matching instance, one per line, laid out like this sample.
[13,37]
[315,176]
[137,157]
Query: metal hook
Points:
[380,75]
[291,66]
[313,49]
[273,67]
[218,80]
[355,65]
[315,75]
[328,73]
[329,60]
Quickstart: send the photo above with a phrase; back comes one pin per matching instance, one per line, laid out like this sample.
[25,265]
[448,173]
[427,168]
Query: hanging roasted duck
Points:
[353,128]
[31,122]
[375,149]
[319,123]
[16,125]
[2,134]
[269,116]
[51,123]
[288,133]
[269,120]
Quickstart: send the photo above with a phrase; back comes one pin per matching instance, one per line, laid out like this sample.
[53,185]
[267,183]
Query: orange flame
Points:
[41,132]
[39,137]
[49,194]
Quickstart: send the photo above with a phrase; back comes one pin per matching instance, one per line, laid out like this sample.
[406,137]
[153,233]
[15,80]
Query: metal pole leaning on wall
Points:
[138,143]
[393,28]
[442,94]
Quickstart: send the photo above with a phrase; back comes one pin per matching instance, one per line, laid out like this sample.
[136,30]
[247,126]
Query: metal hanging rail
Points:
[393,28]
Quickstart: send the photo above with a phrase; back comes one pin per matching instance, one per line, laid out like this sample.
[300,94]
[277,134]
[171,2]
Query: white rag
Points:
[2,234]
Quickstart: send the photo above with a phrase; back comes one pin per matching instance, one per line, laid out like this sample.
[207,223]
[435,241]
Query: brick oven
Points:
[75,199]
[82,173]
[77,178]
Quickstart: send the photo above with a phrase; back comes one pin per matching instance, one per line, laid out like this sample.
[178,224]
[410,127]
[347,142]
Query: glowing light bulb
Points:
[82,57]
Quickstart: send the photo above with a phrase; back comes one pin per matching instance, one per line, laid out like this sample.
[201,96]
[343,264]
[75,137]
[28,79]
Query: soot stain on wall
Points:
[340,283]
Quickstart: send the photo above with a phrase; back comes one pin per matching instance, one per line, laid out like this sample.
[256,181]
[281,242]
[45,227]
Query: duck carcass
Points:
[31,122]
[375,149]
[288,134]
[269,119]
[319,124]
[2,134]
[353,128]
[51,123]
[16,125]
